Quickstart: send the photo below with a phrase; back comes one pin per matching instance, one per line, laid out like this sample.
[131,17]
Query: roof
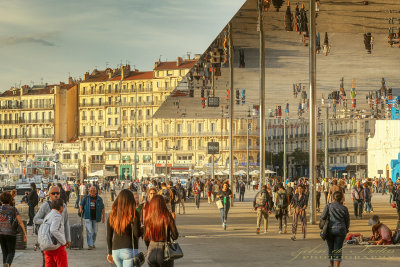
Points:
[135,76]
[172,65]
[36,90]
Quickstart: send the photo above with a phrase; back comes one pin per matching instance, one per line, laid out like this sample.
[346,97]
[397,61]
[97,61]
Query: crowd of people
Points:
[148,210]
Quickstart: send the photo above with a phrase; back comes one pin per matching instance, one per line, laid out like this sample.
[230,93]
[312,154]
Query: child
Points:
[57,255]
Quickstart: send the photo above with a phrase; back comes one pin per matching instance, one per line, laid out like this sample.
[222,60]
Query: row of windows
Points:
[28,115]
[115,88]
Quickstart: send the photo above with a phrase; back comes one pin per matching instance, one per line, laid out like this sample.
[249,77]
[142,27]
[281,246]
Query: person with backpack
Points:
[45,209]
[51,236]
[262,204]
[338,227]
[196,192]
[358,199]
[299,205]
[166,193]
[33,201]
[174,197]
[282,204]
[8,237]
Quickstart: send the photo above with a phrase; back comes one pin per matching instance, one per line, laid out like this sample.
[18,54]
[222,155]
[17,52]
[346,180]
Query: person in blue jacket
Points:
[92,210]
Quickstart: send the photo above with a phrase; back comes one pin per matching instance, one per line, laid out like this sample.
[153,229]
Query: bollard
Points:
[21,244]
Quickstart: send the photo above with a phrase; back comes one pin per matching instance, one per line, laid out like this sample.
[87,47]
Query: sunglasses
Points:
[55,193]
[152,193]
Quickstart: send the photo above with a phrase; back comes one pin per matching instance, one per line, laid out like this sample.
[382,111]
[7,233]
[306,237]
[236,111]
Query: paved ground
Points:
[205,243]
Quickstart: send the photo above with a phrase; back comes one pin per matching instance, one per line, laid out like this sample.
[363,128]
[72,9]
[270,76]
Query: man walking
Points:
[242,190]
[196,192]
[262,203]
[78,194]
[92,208]
[282,204]
[180,190]
[33,201]
[325,188]
[112,190]
[358,200]
[46,208]
[208,188]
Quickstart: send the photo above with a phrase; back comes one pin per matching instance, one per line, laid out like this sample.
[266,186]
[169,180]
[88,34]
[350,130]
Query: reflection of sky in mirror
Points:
[346,22]
[49,39]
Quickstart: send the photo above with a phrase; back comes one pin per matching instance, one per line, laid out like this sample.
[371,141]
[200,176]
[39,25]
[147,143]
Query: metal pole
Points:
[247,157]
[166,163]
[284,151]
[212,168]
[326,142]
[231,182]
[313,114]
[135,141]
[262,92]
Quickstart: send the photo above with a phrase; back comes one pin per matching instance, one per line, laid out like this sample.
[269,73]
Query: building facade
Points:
[117,130]
[33,118]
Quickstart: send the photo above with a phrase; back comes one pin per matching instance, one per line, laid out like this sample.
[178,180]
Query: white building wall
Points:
[383,147]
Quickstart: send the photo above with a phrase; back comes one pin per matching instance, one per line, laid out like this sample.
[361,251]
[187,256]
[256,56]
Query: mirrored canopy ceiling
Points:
[358,42]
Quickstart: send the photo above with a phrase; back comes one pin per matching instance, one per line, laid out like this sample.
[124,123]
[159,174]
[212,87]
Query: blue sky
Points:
[51,39]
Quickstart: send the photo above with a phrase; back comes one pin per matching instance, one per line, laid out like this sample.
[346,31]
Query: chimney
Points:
[70,80]
[122,72]
[85,76]
[179,61]
[156,64]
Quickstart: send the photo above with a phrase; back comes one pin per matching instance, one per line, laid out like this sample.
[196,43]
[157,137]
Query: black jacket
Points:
[339,217]
[33,198]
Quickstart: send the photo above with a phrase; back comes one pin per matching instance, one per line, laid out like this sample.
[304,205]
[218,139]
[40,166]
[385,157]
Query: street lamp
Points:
[55,168]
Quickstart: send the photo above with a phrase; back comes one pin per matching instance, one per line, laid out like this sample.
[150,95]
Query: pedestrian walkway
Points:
[205,243]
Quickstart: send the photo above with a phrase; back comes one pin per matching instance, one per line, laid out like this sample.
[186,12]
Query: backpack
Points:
[165,193]
[45,239]
[261,199]
[282,201]
[175,196]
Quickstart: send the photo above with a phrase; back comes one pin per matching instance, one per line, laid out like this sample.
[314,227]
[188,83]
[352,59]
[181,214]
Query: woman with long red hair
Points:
[160,228]
[123,225]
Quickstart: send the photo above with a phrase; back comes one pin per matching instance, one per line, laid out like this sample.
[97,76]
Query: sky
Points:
[46,41]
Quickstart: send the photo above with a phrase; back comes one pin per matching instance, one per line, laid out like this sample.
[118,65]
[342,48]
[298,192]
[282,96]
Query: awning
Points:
[338,169]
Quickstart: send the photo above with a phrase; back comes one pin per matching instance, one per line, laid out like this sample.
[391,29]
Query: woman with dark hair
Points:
[123,225]
[8,213]
[160,228]
[299,204]
[338,227]
[224,195]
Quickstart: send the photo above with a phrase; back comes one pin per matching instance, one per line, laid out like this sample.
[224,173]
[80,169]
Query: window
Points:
[213,128]
[92,90]
[116,121]
[200,128]
[109,121]
[109,88]
[179,128]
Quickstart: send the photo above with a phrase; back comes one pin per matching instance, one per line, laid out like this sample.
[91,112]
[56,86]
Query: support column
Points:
[262,91]
[284,151]
[231,181]
[326,142]
[313,114]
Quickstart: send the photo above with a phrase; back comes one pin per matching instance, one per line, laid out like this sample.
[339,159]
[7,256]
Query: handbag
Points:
[323,225]
[15,226]
[172,250]
[219,204]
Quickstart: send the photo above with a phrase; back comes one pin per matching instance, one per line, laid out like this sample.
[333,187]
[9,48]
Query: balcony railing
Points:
[112,149]
[46,106]
[100,134]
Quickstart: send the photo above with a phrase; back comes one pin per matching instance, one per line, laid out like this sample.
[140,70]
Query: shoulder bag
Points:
[219,203]
[15,226]
[323,225]
[172,250]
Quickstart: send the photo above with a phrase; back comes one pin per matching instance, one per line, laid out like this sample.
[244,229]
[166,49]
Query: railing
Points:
[92,134]
[96,161]
[91,104]
[100,118]
[92,118]
[36,121]
[47,106]
[112,149]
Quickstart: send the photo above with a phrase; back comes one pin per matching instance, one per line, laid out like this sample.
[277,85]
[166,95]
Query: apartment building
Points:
[32,118]
[117,130]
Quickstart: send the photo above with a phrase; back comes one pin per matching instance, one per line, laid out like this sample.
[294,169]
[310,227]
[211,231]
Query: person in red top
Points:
[196,192]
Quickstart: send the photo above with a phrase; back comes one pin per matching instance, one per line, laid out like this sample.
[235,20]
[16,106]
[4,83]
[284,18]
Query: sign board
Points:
[380,171]
[213,102]
[213,148]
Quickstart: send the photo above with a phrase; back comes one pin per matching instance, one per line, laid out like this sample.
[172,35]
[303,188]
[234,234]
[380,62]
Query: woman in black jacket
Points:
[338,227]
[123,230]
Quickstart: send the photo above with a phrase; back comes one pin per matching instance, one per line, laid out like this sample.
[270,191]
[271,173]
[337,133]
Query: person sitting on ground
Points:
[380,232]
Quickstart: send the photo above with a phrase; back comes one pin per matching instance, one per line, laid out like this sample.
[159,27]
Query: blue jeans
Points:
[123,257]
[358,208]
[91,231]
[335,239]
[368,206]
[78,197]
[224,212]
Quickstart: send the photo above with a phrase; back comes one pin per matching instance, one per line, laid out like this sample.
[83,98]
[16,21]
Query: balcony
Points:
[98,134]
[112,149]
[84,118]
[82,105]
[12,106]
[47,106]
[111,135]
[92,118]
